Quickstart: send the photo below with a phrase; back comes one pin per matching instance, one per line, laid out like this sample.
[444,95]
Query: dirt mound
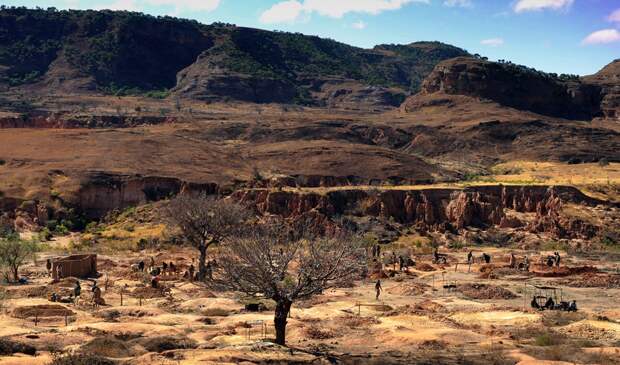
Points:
[165,343]
[148,292]
[424,307]
[108,346]
[548,272]
[484,291]
[408,289]
[590,330]
[353,321]
[316,333]
[43,310]
[590,280]
[9,347]
[422,266]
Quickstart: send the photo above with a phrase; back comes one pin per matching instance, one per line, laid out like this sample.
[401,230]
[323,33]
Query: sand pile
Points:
[147,292]
[593,281]
[42,310]
[409,288]
[425,307]
[422,266]
[484,291]
[593,330]
[551,272]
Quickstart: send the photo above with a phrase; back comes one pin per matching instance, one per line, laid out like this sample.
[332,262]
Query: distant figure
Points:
[378,251]
[54,297]
[95,287]
[374,250]
[557,259]
[513,261]
[192,269]
[48,266]
[401,263]
[550,261]
[378,289]
[164,267]
[550,304]
[155,282]
[97,299]
[59,272]
[173,268]
[470,257]
[209,270]
[77,290]
[486,257]
[152,263]
[573,306]
[141,266]
[535,304]
[526,263]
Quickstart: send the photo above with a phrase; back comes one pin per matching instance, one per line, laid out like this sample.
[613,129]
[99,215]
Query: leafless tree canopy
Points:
[202,221]
[282,263]
[277,262]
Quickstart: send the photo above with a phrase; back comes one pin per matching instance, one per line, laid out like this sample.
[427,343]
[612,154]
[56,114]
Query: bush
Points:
[9,347]
[547,339]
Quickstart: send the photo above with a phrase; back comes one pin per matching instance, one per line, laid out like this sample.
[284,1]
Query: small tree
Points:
[283,264]
[13,254]
[203,221]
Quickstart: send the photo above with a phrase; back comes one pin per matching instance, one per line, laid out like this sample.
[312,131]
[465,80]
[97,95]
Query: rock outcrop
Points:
[434,209]
[101,193]
[68,121]
[515,86]
[609,80]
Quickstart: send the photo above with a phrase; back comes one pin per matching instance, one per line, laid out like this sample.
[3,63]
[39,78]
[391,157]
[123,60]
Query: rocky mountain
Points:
[133,53]
[609,80]
[516,86]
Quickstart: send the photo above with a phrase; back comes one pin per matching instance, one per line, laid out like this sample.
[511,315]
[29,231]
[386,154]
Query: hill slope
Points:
[124,52]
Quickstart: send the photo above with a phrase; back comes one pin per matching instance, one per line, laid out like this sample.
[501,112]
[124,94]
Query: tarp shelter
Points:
[79,266]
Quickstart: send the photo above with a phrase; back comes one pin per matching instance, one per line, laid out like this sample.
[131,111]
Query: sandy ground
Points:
[341,322]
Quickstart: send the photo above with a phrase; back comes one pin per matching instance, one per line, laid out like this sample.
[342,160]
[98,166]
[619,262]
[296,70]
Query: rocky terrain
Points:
[105,116]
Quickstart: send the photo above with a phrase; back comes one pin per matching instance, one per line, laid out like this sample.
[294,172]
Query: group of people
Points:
[554,260]
[76,294]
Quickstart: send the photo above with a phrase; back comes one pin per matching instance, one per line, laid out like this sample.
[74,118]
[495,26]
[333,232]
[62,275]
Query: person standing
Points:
[378,289]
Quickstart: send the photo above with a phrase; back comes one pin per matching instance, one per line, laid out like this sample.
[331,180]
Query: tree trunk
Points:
[15,270]
[202,263]
[283,307]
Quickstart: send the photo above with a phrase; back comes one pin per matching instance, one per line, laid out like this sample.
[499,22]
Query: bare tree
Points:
[281,263]
[203,221]
[13,254]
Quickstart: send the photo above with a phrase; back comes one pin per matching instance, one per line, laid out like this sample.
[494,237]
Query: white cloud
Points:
[128,5]
[536,5]
[359,25]
[602,37]
[283,12]
[178,5]
[293,10]
[458,3]
[615,16]
[492,42]
[193,5]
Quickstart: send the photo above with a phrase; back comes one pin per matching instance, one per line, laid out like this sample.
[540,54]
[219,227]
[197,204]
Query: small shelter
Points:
[542,293]
[79,266]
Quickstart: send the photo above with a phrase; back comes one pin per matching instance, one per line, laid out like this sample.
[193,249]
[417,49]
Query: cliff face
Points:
[67,121]
[102,193]
[434,209]
[515,86]
[609,80]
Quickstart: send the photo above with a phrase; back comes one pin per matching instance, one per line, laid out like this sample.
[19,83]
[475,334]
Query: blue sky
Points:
[563,36]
